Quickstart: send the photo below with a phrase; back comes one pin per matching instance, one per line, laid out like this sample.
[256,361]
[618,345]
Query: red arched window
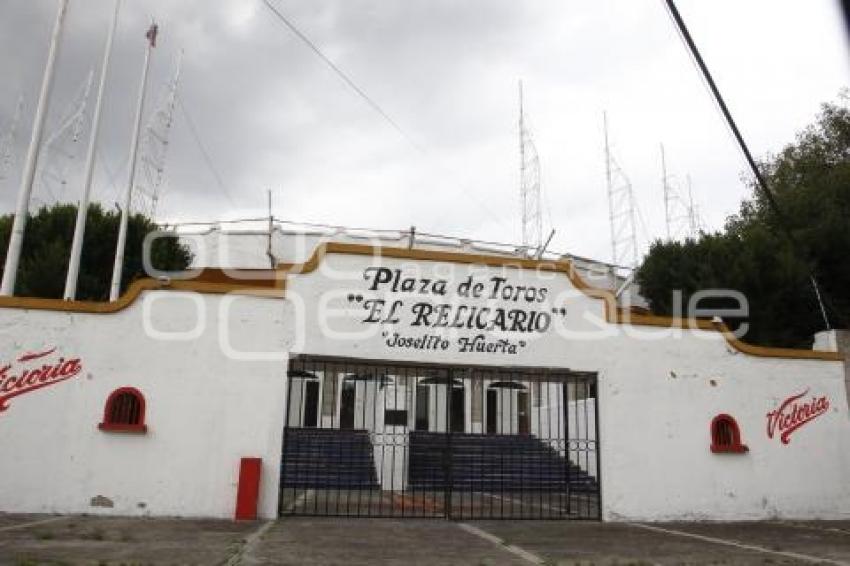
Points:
[124,411]
[726,436]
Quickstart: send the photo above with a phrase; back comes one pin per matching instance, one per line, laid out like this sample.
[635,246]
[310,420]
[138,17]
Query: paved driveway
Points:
[29,539]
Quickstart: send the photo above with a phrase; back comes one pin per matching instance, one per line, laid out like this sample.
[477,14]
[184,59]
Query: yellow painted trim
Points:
[560,266]
[212,281]
[270,283]
[613,313]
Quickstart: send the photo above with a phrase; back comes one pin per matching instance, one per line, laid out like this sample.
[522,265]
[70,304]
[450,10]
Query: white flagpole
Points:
[16,238]
[83,206]
[117,268]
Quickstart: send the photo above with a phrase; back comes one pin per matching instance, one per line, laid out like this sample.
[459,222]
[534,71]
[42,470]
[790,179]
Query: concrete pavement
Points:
[45,539]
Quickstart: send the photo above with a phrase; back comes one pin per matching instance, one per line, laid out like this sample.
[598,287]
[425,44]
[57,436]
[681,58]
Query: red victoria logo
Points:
[793,413]
[14,382]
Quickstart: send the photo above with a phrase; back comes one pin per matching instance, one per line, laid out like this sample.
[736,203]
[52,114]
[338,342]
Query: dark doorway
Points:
[522,412]
[457,416]
[422,406]
[492,411]
[311,404]
[347,403]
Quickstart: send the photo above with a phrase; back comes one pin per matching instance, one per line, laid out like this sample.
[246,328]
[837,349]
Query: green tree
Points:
[47,243]
[810,180]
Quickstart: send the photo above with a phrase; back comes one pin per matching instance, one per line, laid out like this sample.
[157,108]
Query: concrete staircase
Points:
[491,463]
[328,458]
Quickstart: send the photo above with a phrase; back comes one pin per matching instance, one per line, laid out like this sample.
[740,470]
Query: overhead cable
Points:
[339,72]
[761,182]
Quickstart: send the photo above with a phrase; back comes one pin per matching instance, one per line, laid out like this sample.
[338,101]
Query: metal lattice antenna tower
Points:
[679,212]
[60,148]
[695,220]
[155,142]
[621,209]
[529,184]
[7,142]
[694,224]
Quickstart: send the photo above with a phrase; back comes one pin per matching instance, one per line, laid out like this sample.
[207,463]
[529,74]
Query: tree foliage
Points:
[810,180]
[47,243]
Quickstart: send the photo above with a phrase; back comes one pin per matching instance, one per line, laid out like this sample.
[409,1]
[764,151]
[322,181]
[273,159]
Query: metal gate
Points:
[377,439]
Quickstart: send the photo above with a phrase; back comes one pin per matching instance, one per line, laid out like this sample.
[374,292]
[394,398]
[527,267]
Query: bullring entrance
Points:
[379,439]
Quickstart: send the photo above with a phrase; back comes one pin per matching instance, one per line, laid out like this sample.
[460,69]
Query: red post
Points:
[248,491]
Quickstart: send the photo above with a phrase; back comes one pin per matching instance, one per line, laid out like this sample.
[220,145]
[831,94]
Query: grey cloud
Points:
[272,116]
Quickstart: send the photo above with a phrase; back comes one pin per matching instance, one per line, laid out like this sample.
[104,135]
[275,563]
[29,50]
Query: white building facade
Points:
[408,380]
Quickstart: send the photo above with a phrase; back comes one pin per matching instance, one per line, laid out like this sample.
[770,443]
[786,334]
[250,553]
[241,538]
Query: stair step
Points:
[334,458]
[492,462]
[328,459]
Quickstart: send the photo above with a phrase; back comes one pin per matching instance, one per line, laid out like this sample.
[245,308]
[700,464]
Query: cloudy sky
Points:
[269,114]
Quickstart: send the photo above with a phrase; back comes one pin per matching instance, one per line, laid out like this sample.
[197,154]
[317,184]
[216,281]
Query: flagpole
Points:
[83,206]
[16,238]
[115,287]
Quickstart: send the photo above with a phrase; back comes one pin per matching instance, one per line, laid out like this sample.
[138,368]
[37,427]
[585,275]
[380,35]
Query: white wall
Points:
[658,392]
[656,404]
[208,405]
[204,410]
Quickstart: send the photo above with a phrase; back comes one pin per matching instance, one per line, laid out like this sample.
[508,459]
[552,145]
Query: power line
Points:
[761,182]
[204,152]
[372,104]
[339,72]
